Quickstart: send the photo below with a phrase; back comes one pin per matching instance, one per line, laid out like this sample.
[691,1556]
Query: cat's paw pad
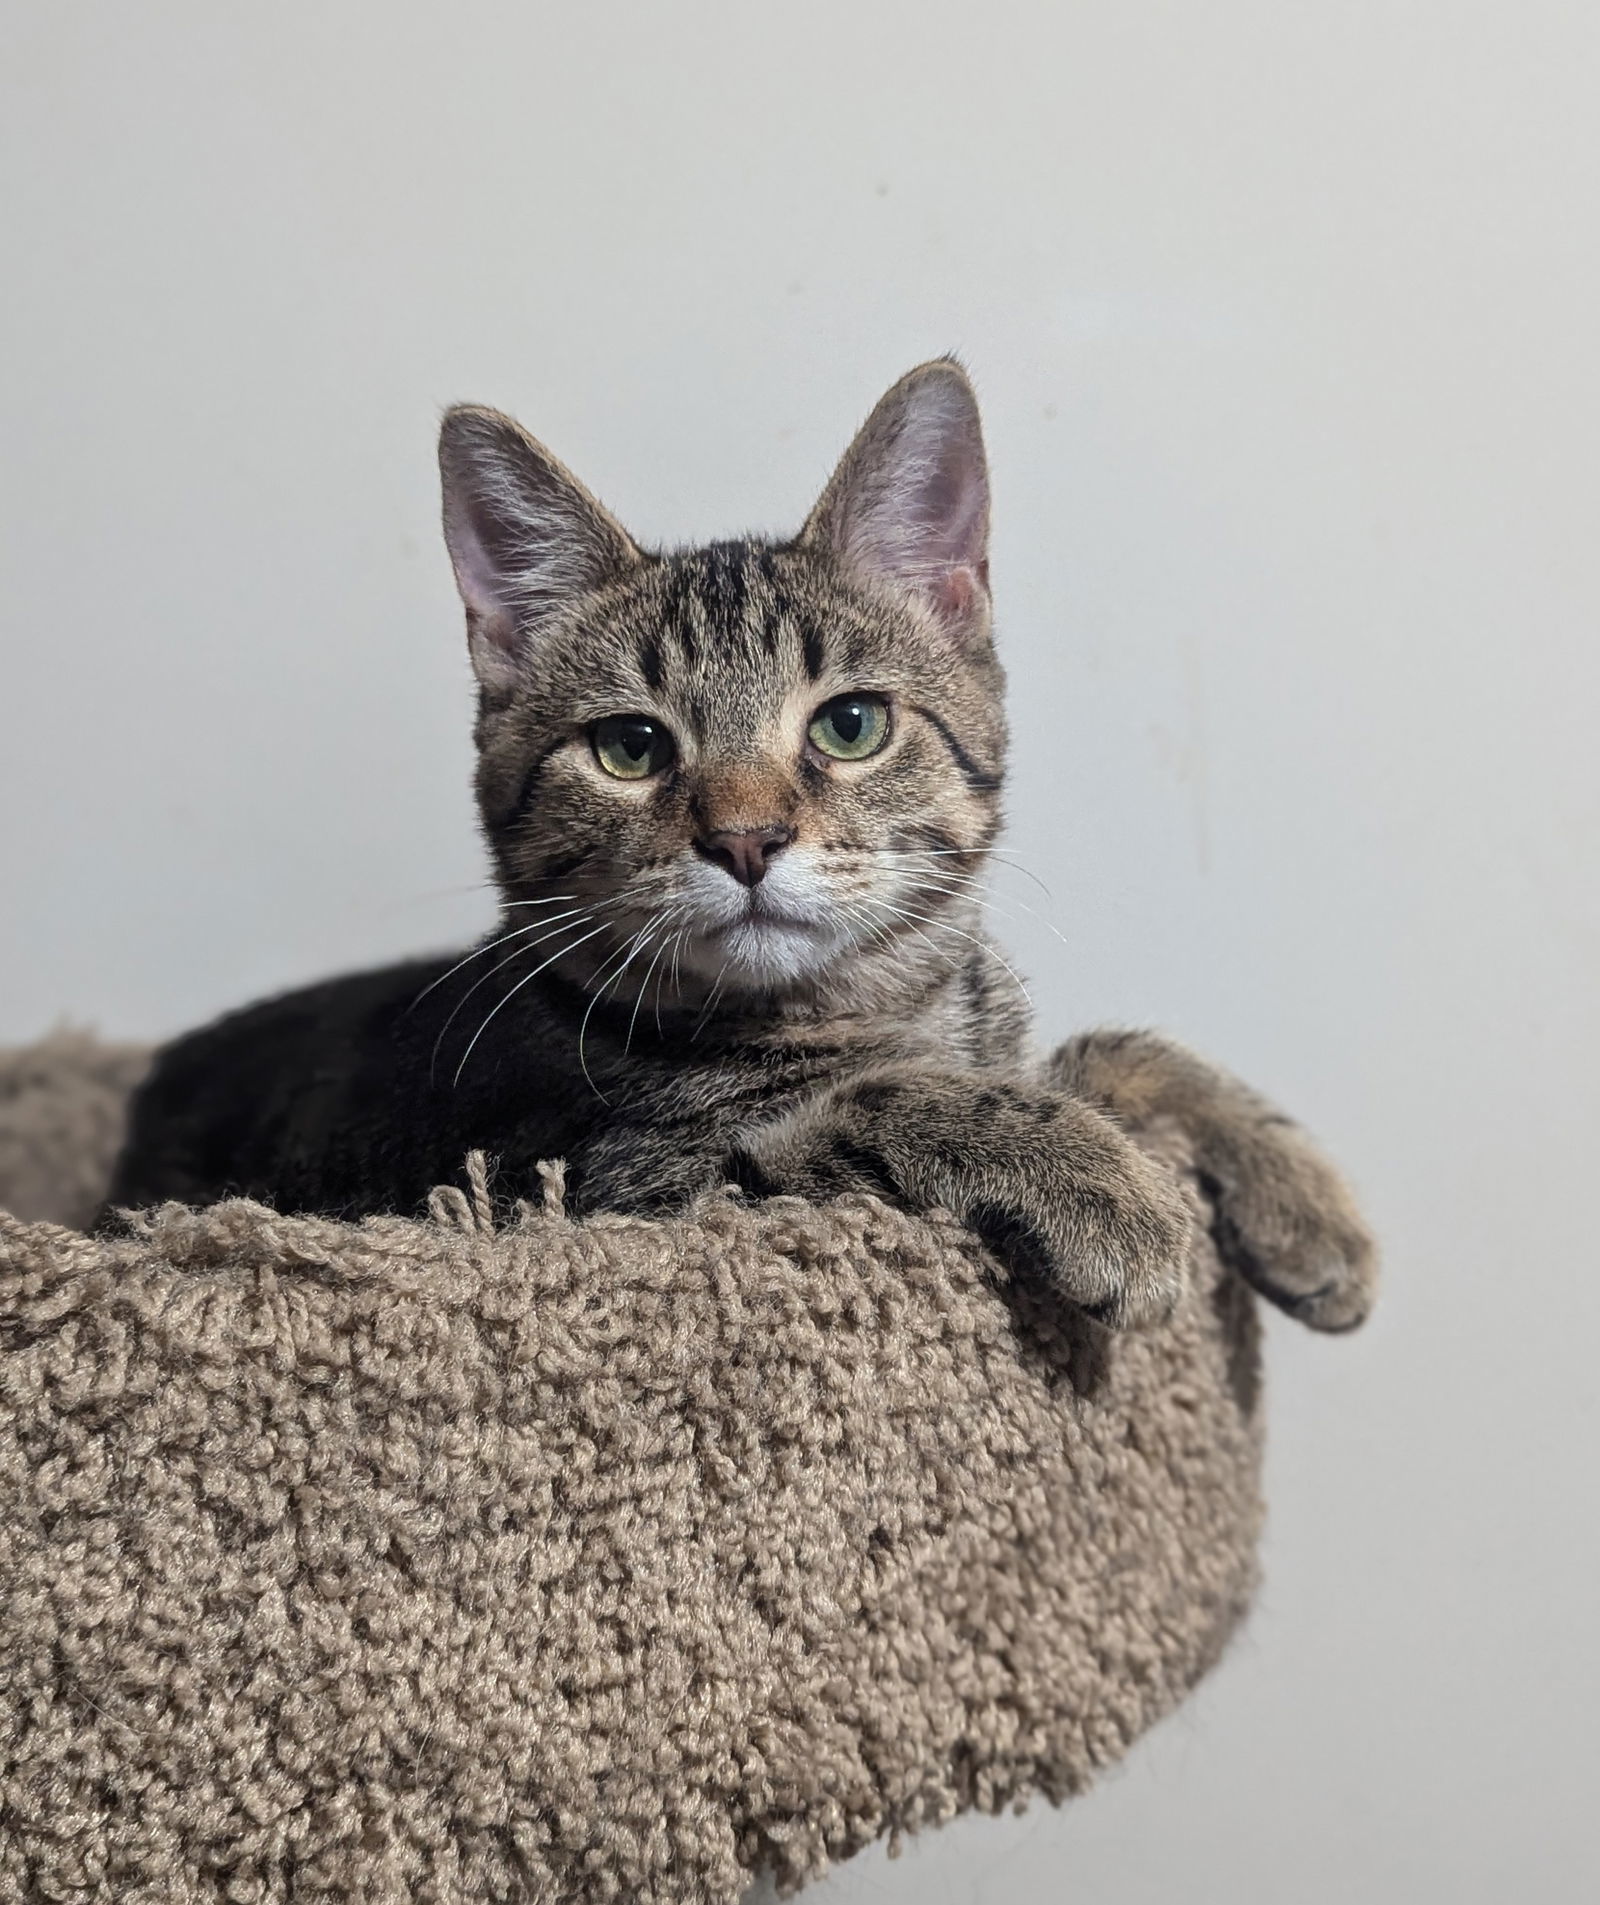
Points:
[1288,1224]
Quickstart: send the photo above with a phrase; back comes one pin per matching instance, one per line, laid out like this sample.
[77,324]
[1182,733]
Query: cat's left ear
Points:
[908,506]
[525,537]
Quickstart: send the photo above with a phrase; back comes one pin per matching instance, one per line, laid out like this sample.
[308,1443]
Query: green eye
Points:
[850,727]
[631,746]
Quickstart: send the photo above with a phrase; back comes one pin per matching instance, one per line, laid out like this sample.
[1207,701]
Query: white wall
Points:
[1285,318]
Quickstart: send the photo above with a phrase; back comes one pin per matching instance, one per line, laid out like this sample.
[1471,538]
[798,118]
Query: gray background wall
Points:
[1285,319]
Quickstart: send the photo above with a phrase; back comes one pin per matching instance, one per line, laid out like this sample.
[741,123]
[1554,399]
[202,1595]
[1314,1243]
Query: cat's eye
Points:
[850,727]
[631,746]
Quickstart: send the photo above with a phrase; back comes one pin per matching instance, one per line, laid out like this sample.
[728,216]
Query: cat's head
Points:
[764,767]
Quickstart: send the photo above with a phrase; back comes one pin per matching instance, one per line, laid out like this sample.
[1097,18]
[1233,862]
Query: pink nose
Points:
[745,854]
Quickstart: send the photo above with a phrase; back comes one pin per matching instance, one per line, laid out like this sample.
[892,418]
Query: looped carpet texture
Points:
[496,1556]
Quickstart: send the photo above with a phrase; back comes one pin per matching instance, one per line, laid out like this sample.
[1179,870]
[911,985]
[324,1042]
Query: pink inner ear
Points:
[492,630]
[482,589]
[485,591]
[917,510]
[956,506]
[956,590]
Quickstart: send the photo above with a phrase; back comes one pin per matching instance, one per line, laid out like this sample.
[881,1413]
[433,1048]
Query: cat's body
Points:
[343,1097]
[738,800]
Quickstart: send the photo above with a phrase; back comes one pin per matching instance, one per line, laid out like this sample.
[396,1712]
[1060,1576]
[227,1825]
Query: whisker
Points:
[977,884]
[1000,855]
[877,934]
[705,1010]
[974,892]
[543,929]
[897,914]
[494,972]
[630,951]
[945,925]
[627,1044]
[676,943]
[561,952]
[478,951]
[435,893]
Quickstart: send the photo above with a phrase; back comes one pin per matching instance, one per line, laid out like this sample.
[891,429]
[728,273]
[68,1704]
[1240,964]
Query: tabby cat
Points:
[738,800]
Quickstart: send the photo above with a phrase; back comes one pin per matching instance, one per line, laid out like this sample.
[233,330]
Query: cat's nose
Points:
[747,852]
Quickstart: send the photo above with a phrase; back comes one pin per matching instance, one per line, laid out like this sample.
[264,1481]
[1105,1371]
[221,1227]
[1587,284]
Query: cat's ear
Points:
[908,506]
[525,537]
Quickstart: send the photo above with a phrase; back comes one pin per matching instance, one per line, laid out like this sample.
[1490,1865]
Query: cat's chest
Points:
[775,1067]
[740,1082]
[726,1088]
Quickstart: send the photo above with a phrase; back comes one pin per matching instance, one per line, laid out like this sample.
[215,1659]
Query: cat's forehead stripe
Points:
[650,665]
[816,658]
[723,583]
[724,606]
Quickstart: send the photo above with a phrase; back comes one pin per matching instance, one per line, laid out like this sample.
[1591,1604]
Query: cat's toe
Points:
[1295,1235]
[1123,1258]
[1341,1301]
[1149,1262]
[1124,1269]
[1326,1278]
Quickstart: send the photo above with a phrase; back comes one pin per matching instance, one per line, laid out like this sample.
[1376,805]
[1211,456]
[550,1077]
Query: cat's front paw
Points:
[1115,1243]
[1286,1221]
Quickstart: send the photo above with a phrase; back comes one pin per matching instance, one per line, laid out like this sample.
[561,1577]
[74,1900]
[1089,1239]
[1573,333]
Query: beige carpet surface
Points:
[497,1556]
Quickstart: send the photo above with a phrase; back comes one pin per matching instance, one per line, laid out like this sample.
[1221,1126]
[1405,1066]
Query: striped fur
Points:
[663,1025]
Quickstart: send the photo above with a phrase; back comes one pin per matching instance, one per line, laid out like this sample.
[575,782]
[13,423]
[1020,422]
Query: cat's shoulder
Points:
[217,1100]
[353,1004]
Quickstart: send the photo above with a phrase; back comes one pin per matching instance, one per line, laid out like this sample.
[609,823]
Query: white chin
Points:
[760,955]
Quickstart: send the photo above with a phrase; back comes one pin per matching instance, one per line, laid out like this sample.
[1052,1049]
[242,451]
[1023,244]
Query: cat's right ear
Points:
[908,507]
[525,537]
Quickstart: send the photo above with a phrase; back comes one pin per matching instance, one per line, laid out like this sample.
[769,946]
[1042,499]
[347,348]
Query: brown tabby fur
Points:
[844,1022]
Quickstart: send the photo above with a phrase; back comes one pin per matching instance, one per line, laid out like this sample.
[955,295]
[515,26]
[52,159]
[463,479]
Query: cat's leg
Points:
[1043,1178]
[646,1167]
[1285,1219]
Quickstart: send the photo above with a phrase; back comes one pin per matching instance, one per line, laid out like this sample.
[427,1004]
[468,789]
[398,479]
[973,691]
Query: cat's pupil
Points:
[631,746]
[849,718]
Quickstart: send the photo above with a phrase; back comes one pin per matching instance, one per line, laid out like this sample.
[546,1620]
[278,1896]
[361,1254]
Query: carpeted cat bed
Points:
[501,1557]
